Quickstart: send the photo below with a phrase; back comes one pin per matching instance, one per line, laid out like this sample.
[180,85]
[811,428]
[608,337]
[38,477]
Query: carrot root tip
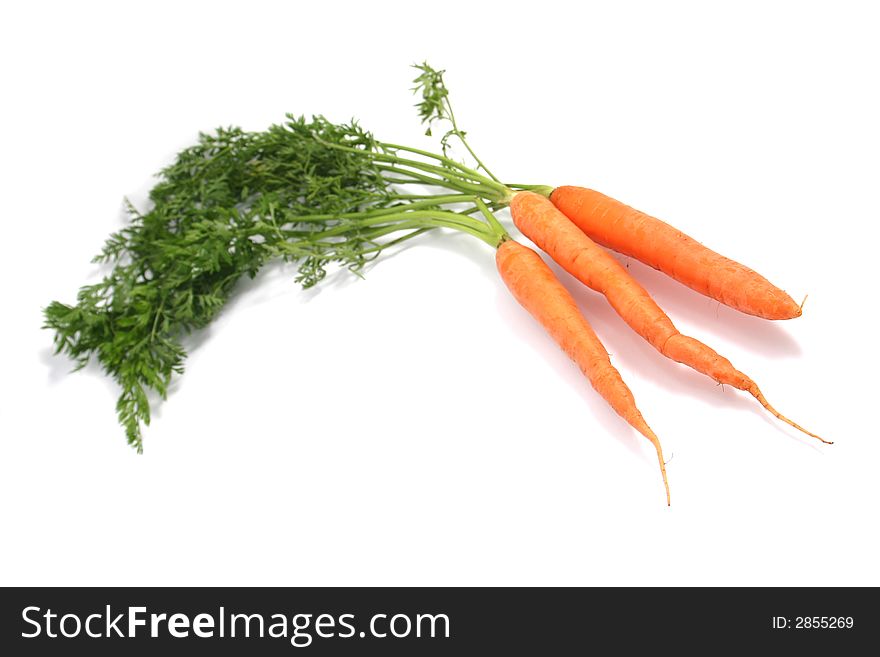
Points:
[757,394]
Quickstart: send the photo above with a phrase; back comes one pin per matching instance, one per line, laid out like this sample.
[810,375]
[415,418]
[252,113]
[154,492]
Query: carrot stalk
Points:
[552,231]
[535,287]
[643,237]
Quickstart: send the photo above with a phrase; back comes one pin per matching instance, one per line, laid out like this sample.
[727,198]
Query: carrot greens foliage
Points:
[308,192]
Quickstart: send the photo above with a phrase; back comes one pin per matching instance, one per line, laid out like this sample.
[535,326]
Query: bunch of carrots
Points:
[251,197]
[567,226]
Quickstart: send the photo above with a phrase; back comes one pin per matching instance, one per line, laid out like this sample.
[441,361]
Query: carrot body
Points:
[656,243]
[543,223]
[535,287]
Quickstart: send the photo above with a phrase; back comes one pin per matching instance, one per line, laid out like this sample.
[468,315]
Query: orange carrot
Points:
[533,284]
[546,226]
[633,233]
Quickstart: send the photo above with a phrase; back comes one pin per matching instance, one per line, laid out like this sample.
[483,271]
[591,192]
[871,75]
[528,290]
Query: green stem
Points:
[440,158]
[433,168]
[543,190]
[448,198]
[395,209]
[412,219]
[464,141]
[471,176]
[403,238]
[446,182]
[500,231]
[479,233]
[156,320]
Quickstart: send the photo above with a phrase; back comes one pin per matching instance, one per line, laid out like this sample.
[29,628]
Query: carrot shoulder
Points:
[536,288]
[643,237]
[552,231]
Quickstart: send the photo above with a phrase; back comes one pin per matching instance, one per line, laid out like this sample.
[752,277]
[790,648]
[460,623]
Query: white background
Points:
[417,427]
